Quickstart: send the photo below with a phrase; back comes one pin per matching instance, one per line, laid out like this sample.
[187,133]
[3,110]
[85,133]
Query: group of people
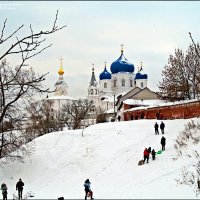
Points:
[162,128]
[88,191]
[148,151]
[19,188]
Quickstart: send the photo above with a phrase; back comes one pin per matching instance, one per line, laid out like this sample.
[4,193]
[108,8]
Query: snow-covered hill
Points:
[108,155]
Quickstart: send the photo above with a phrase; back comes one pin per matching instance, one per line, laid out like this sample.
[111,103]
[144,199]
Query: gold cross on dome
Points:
[105,63]
[141,64]
[61,61]
[93,66]
[122,47]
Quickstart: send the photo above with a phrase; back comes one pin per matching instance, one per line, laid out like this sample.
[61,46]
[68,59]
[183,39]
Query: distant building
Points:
[120,81]
[60,94]
[111,90]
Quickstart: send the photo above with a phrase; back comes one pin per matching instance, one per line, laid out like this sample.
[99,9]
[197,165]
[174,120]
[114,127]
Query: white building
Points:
[61,93]
[118,82]
[122,78]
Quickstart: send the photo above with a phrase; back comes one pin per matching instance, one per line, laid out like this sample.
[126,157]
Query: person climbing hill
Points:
[162,127]
[156,128]
[153,153]
[163,143]
[146,155]
[88,191]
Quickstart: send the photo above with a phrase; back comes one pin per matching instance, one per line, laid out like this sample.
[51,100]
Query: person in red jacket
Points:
[146,155]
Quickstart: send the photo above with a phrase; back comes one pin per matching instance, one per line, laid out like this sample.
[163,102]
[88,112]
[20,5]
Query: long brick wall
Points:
[179,111]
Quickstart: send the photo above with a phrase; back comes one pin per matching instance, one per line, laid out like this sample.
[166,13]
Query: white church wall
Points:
[105,86]
[141,83]
[119,77]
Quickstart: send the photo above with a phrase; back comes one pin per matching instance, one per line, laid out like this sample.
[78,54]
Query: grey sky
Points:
[150,31]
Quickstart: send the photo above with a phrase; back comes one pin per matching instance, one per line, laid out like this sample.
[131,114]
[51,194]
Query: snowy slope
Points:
[108,155]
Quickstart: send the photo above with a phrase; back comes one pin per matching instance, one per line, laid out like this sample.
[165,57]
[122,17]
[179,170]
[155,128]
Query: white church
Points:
[121,79]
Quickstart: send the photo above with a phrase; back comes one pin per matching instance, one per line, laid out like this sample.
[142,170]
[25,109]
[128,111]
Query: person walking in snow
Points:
[88,191]
[163,142]
[19,187]
[156,128]
[4,191]
[146,155]
[162,127]
[149,150]
[153,153]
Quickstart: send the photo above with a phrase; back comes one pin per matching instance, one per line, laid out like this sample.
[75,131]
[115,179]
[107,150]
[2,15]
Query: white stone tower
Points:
[61,86]
[93,89]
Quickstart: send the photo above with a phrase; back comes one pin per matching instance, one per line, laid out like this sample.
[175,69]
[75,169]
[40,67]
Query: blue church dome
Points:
[141,74]
[121,65]
[105,75]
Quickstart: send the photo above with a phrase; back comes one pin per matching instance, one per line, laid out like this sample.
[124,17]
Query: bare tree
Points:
[18,83]
[42,119]
[73,113]
[181,75]
[195,79]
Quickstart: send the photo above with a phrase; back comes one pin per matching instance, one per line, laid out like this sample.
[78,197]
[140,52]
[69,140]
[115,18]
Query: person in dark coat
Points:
[88,191]
[163,142]
[153,153]
[149,150]
[156,128]
[4,191]
[19,187]
[162,127]
[146,155]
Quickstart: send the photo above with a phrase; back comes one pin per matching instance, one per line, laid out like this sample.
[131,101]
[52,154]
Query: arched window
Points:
[131,83]
[123,82]
[142,85]
[96,91]
[115,83]
[91,91]
[105,85]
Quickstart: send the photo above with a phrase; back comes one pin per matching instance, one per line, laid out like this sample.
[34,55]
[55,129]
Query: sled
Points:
[159,152]
[141,162]
[28,195]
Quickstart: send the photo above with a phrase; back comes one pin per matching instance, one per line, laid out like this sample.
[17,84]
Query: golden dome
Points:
[61,71]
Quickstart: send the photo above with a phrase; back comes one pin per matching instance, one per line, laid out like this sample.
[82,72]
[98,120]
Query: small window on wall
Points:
[91,91]
[115,83]
[142,85]
[123,82]
[131,83]
[96,91]
[105,85]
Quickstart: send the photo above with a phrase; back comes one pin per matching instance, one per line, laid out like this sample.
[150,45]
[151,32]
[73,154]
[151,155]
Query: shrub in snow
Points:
[190,137]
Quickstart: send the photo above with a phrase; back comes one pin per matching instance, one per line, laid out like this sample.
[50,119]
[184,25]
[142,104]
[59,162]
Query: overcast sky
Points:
[150,32]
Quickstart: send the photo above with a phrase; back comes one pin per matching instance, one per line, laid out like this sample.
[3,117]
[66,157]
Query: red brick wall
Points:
[181,111]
